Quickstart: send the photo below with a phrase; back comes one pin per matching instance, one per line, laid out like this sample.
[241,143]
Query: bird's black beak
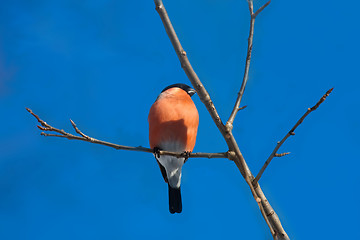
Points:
[191,92]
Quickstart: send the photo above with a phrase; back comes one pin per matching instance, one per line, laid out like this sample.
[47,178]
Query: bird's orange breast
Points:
[173,118]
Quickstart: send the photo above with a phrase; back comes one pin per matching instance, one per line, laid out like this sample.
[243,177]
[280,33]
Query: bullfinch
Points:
[173,123]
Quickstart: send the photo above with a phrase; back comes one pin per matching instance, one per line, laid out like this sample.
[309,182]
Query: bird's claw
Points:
[157,152]
[186,155]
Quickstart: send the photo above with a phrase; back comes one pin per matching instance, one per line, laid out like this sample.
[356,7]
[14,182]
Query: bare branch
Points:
[62,134]
[290,133]
[230,122]
[275,227]
[260,9]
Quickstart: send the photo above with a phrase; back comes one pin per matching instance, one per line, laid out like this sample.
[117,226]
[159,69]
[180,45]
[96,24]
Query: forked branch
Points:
[290,133]
[83,137]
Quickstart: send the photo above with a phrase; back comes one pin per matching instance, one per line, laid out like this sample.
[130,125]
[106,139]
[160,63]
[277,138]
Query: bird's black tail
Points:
[175,204]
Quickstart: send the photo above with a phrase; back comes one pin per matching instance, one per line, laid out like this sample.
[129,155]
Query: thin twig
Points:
[79,132]
[230,122]
[242,108]
[281,154]
[260,9]
[290,133]
[62,134]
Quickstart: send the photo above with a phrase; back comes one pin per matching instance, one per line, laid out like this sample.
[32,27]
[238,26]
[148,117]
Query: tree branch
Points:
[185,64]
[229,123]
[290,133]
[260,9]
[271,219]
[62,134]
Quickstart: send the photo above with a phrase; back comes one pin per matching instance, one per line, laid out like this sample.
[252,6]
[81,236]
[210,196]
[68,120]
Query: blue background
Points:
[103,63]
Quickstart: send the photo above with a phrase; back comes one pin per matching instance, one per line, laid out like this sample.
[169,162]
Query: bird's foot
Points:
[157,152]
[186,155]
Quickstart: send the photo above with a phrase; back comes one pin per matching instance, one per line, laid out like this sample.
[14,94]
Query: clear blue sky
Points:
[103,63]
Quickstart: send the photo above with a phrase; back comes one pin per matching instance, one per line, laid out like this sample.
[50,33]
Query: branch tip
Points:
[242,108]
[322,99]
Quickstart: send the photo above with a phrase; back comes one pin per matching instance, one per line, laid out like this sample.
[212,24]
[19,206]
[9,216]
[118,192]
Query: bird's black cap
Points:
[184,87]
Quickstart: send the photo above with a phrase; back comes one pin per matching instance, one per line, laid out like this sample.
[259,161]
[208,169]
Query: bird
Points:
[173,124]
